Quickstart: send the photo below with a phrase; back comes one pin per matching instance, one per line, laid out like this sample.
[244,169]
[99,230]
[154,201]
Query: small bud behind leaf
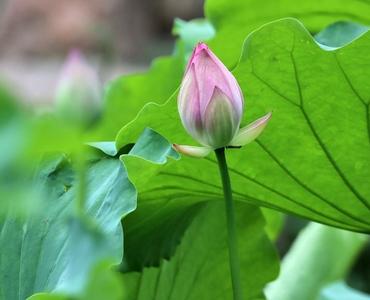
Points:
[79,92]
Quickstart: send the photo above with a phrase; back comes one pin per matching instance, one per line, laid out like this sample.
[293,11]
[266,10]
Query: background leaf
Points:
[53,250]
[126,95]
[192,32]
[340,33]
[341,291]
[320,255]
[103,283]
[235,20]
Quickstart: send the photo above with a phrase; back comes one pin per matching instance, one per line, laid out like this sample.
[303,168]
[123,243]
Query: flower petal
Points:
[192,150]
[220,121]
[188,104]
[250,132]
[211,73]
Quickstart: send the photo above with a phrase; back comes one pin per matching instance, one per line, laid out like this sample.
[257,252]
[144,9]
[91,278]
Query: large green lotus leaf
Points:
[313,159]
[234,20]
[199,268]
[52,249]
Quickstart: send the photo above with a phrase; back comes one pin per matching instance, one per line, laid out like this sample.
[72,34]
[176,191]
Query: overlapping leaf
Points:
[52,249]
[103,283]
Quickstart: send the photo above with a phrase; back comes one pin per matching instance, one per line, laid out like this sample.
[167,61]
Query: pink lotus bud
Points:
[210,101]
[211,105]
[79,91]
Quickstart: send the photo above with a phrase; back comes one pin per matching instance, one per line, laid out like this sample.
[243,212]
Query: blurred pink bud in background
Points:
[79,91]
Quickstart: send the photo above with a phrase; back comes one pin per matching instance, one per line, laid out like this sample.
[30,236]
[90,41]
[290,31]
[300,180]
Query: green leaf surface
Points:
[168,238]
[52,249]
[234,20]
[319,256]
[103,283]
[126,95]
[13,169]
[274,222]
[160,222]
[313,159]
[199,268]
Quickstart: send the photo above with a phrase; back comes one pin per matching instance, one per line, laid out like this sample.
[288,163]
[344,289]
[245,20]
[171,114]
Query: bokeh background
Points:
[118,36]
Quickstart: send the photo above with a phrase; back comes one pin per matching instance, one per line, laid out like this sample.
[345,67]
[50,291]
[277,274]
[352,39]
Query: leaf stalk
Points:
[231,225]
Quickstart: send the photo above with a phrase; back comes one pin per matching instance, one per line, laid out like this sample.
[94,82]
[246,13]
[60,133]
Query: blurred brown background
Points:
[119,36]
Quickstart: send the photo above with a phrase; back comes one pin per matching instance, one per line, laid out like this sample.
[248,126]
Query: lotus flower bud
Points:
[79,91]
[211,105]
[210,101]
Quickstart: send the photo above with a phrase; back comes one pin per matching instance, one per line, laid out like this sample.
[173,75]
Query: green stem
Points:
[81,185]
[231,225]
